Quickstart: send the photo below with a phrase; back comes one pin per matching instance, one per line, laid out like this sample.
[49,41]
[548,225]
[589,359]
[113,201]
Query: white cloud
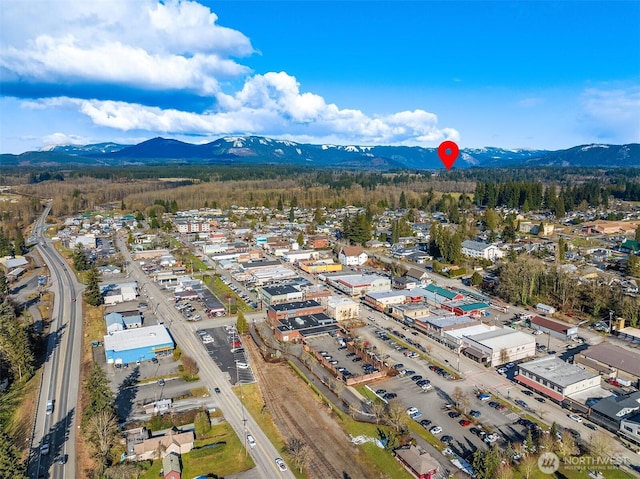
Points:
[143,44]
[64,139]
[171,47]
[611,115]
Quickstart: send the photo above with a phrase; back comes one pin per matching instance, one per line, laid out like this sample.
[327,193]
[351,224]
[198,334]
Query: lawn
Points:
[254,404]
[223,291]
[228,456]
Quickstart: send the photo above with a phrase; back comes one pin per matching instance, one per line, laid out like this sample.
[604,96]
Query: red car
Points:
[464,422]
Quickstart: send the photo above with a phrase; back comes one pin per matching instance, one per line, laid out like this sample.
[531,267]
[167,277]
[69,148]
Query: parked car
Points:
[473,413]
[526,392]
[435,430]
[484,397]
[521,403]
[464,422]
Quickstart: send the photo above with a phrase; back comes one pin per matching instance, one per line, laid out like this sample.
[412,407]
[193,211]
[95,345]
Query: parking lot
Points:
[336,353]
[227,351]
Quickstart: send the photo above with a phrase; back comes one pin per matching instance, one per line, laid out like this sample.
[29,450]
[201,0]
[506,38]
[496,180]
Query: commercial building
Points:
[557,329]
[139,344]
[611,361]
[279,294]
[320,266]
[299,327]
[278,312]
[619,414]
[342,309]
[383,300]
[500,346]
[359,284]
[119,293]
[556,379]
[465,308]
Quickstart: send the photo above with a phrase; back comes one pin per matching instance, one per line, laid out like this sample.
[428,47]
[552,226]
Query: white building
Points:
[295,256]
[87,241]
[342,309]
[352,256]
[476,249]
[500,346]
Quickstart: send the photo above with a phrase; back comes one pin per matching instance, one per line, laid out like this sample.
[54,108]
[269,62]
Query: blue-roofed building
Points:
[139,344]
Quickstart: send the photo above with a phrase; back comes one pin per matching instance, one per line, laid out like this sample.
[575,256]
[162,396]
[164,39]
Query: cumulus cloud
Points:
[64,139]
[611,115]
[167,67]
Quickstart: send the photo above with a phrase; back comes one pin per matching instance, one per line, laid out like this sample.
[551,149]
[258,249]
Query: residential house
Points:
[352,256]
[477,249]
[177,442]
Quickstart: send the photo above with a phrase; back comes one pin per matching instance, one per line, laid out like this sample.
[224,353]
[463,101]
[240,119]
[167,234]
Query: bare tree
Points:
[190,366]
[378,409]
[527,466]
[396,416]
[601,446]
[505,471]
[548,442]
[567,445]
[125,470]
[299,452]
[102,431]
[460,397]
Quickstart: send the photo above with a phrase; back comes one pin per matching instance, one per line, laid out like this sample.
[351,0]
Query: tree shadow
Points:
[47,344]
[55,437]
[127,392]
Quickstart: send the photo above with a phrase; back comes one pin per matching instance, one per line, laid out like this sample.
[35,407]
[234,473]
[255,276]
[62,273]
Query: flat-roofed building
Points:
[410,312]
[555,378]
[359,284]
[279,294]
[465,308]
[278,312]
[138,344]
[501,346]
[342,309]
[298,327]
[383,300]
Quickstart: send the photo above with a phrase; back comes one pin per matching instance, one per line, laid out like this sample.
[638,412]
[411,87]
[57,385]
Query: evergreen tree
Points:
[292,215]
[4,284]
[92,294]
[280,206]
[80,259]
[100,396]
[300,239]
[637,237]
[559,209]
[476,279]
[633,266]
[294,202]
[11,465]
[241,324]
[15,344]
[403,201]
[19,246]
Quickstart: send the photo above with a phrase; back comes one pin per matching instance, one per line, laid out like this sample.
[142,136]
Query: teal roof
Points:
[631,245]
[441,291]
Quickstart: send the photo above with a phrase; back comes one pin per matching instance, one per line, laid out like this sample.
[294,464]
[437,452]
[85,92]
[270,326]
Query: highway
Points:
[61,369]
[264,453]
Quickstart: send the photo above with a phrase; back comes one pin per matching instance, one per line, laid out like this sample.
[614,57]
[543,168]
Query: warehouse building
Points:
[279,294]
[611,361]
[499,346]
[139,344]
[556,379]
[557,329]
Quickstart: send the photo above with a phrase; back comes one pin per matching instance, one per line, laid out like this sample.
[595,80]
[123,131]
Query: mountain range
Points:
[260,150]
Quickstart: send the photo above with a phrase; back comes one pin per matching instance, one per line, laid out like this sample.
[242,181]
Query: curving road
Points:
[264,453]
[60,371]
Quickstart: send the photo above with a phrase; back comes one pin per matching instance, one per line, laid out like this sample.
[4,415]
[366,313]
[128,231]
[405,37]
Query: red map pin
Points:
[448,152]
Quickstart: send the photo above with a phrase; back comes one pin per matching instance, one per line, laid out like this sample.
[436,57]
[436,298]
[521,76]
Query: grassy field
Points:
[223,291]
[17,410]
[254,404]
[423,355]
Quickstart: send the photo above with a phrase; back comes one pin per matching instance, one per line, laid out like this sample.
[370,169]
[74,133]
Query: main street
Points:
[61,369]
[234,412]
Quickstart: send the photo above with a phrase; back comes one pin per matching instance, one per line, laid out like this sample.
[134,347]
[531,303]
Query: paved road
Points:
[60,376]
[264,453]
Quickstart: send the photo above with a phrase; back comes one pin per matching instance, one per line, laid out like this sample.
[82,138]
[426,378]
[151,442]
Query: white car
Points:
[280,463]
[575,417]
[241,365]
[251,441]
[490,438]
[502,370]
[435,430]
[44,449]
[412,410]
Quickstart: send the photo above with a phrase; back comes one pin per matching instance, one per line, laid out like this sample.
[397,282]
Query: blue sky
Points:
[522,74]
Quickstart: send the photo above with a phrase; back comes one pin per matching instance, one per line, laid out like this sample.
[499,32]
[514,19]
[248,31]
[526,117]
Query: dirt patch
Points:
[298,413]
